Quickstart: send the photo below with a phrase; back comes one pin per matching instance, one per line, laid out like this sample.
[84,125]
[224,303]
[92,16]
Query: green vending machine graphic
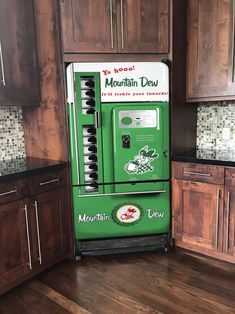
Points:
[119,144]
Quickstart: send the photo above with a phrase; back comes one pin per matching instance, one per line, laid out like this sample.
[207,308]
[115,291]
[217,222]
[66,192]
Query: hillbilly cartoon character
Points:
[141,163]
[129,214]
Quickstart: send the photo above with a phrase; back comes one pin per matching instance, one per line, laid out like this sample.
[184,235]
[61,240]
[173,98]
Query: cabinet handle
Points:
[9,192]
[122,27]
[217,219]
[227,229]
[233,38]
[197,173]
[2,66]
[49,182]
[28,236]
[111,22]
[38,232]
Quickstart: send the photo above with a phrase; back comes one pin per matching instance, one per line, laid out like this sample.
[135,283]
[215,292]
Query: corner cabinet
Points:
[203,209]
[210,53]
[19,72]
[115,26]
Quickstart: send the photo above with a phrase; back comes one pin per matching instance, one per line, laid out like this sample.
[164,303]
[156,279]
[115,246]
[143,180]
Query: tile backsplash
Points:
[12,144]
[216,125]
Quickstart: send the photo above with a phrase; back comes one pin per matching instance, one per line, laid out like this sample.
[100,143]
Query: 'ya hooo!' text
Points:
[126,82]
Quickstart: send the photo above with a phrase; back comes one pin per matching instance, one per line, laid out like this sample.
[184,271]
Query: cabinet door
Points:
[198,214]
[50,223]
[19,74]
[14,254]
[210,64]
[89,25]
[229,221]
[144,26]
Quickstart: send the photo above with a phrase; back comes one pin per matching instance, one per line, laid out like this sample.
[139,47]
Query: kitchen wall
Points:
[216,125]
[215,128]
[12,144]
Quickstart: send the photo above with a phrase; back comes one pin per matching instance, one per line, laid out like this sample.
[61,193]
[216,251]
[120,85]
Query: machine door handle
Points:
[124,193]
[74,150]
[97,120]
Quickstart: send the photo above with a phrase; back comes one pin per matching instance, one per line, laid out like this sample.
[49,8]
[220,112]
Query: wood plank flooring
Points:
[149,282]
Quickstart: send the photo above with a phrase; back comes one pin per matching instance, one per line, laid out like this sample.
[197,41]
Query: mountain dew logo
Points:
[142,162]
[127,214]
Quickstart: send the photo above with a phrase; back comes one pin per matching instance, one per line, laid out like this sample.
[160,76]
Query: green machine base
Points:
[122,222]
[122,245]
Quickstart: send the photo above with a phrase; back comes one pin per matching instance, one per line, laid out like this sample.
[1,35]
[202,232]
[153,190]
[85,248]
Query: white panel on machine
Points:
[130,81]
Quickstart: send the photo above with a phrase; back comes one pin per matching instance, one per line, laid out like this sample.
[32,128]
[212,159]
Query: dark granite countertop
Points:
[23,167]
[208,156]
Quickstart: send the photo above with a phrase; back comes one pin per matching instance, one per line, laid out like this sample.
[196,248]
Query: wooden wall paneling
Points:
[183,116]
[45,126]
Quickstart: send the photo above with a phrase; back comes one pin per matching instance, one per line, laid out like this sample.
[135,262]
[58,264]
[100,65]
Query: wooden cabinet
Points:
[111,26]
[35,231]
[145,26]
[19,73]
[210,55]
[14,261]
[203,209]
[49,224]
[198,214]
[88,25]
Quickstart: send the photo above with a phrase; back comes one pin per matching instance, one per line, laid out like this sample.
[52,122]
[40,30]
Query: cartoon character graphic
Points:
[142,162]
[129,214]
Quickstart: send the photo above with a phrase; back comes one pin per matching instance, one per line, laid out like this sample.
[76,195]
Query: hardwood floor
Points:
[150,282]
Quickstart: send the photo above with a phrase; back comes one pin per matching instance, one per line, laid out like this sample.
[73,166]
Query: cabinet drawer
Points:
[13,190]
[198,172]
[230,176]
[47,181]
